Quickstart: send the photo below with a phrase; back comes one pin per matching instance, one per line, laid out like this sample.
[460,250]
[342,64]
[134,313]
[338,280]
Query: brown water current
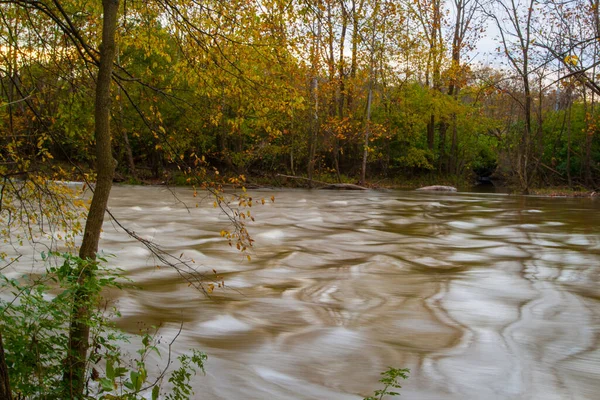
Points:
[481,296]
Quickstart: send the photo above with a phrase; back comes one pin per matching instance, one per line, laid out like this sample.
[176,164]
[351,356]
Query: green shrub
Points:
[35,329]
[390,380]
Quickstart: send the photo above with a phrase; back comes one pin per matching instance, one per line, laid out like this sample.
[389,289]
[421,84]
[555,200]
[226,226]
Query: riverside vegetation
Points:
[35,333]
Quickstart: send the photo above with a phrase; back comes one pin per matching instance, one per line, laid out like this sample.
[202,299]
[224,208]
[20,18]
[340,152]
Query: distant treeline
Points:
[352,88]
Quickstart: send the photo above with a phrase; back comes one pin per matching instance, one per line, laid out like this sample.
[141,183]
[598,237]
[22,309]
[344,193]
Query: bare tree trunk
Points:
[462,21]
[341,91]
[589,181]
[333,101]
[75,364]
[314,129]
[356,13]
[363,171]
[437,53]
[372,59]
[314,91]
[569,179]
[525,146]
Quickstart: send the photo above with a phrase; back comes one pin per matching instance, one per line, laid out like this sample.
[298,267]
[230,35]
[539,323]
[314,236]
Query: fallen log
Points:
[437,188]
[326,185]
[343,186]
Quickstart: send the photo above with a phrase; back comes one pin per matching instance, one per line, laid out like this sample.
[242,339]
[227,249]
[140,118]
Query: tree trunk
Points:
[431,132]
[314,130]
[341,91]
[314,91]
[363,171]
[452,165]
[587,159]
[526,138]
[442,164]
[336,159]
[569,179]
[74,375]
[589,181]
[5,392]
[354,56]
[129,154]
[453,87]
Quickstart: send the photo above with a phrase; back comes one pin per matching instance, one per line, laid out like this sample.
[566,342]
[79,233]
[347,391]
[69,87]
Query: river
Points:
[482,296]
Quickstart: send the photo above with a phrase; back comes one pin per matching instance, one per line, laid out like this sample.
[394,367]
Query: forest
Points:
[355,91]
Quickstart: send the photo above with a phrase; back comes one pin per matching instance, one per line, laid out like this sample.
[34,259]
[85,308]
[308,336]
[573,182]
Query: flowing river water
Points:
[482,296]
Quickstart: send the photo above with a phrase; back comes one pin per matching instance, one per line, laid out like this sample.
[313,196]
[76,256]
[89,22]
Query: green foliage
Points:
[35,325]
[416,158]
[35,322]
[180,378]
[390,380]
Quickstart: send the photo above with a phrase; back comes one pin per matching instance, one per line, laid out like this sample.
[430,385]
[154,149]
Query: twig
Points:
[168,363]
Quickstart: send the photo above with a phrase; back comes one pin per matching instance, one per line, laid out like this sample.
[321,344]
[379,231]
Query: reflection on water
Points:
[481,296]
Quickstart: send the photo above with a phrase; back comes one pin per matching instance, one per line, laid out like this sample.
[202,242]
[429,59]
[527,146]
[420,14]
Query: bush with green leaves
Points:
[390,380]
[35,322]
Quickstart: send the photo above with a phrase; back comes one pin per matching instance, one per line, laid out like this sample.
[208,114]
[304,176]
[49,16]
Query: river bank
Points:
[463,184]
[275,180]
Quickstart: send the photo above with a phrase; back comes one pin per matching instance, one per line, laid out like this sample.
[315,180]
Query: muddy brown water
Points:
[482,296]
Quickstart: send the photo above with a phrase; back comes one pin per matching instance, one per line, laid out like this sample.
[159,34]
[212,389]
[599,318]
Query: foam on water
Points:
[275,234]
[223,325]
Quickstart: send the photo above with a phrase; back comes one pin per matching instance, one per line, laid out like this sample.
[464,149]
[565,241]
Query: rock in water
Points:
[438,188]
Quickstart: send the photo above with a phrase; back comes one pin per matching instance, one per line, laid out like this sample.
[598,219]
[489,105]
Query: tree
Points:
[465,23]
[429,13]
[74,377]
[514,21]
[571,32]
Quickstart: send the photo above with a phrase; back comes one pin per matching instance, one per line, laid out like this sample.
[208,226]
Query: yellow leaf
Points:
[571,60]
